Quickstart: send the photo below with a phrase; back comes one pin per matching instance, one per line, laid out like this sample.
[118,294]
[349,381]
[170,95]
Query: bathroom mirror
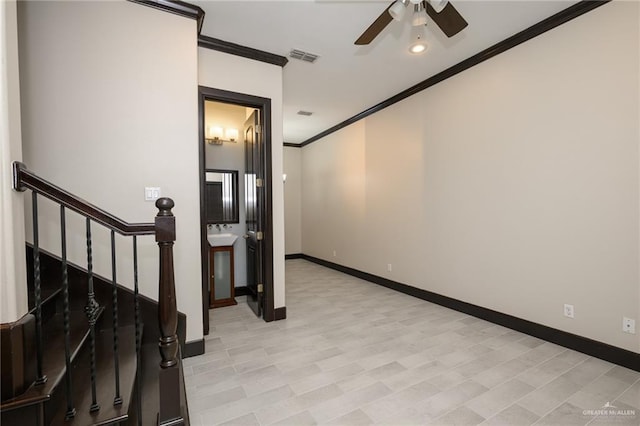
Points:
[221,196]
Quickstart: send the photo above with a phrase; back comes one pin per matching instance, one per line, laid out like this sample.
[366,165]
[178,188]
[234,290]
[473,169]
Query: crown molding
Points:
[239,50]
[177,7]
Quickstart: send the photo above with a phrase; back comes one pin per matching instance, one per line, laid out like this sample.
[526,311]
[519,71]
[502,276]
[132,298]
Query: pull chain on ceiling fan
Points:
[441,12]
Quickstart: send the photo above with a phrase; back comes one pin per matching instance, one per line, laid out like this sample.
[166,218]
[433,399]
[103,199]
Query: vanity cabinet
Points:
[221,283]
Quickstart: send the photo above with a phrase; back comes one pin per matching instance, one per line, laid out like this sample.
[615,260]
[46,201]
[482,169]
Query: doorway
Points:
[259,181]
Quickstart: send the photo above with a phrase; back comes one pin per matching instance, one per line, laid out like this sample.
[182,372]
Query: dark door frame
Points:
[264,106]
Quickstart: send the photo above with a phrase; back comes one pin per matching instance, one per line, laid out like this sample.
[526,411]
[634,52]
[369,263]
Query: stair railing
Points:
[164,230]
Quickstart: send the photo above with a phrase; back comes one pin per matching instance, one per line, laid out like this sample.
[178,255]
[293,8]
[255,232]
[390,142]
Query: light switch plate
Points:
[151,193]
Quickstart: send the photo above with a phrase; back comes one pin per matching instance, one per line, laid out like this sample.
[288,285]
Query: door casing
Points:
[263,105]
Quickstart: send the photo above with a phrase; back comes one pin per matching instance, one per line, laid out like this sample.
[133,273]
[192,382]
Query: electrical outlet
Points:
[334,253]
[629,325]
[568,310]
[389,268]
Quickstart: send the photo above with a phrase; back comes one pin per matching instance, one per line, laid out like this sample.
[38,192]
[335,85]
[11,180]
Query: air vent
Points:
[307,113]
[303,56]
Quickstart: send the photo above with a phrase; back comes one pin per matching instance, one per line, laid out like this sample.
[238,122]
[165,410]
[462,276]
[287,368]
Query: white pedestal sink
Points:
[221,240]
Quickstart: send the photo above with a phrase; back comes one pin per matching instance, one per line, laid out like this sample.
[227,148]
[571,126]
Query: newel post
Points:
[167,309]
[165,224]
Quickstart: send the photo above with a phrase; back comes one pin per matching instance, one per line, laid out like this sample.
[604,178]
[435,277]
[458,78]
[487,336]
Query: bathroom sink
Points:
[219,240]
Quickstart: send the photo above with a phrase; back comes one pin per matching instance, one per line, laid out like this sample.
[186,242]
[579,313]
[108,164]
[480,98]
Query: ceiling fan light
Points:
[438,5]
[419,16]
[418,47]
[397,9]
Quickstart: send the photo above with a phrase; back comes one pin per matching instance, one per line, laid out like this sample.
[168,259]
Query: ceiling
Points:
[349,79]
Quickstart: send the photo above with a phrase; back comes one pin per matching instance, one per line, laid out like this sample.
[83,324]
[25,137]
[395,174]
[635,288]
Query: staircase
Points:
[90,351]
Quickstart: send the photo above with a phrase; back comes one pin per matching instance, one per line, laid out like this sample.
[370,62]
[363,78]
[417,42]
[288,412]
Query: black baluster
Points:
[117,400]
[71,411]
[137,325]
[92,314]
[40,377]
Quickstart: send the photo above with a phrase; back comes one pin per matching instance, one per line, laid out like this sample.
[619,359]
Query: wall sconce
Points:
[216,135]
[231,134]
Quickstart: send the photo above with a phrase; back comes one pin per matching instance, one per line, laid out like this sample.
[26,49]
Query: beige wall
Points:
[109,104]
[230,156]
[513,185]
[13,282]
[223,71]
[292,202]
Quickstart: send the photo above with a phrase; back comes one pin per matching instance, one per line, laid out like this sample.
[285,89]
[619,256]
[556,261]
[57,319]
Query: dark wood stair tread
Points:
[47,403]
[105,381]
[53,362]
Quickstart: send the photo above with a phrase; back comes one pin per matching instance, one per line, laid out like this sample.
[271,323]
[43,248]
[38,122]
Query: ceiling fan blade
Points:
[449,20]
[374,29]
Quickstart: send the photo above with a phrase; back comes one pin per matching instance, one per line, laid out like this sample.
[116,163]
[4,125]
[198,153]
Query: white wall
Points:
[230,156]
[513,185]
[223,71]
[109,104]
[292,164]
[13,281]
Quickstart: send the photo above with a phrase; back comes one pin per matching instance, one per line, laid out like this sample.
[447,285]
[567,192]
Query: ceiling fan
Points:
[441,12]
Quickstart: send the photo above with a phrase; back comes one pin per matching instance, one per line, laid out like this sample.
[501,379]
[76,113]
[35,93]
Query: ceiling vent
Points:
[307,113]
[303,56]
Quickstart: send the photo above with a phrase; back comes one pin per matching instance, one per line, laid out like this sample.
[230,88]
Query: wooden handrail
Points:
[24,179]
[164,229]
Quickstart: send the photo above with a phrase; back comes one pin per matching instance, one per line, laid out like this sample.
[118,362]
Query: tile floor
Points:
[354,353]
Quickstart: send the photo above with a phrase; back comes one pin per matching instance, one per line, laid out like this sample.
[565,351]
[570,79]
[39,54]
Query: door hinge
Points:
[259,182]
[260,288]
[259,236]
[258,128]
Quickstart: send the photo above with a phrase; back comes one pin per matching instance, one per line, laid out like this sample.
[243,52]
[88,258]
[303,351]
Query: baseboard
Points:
[193,348]
[241,291]
[293,256]
[578,343]
[280,313]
